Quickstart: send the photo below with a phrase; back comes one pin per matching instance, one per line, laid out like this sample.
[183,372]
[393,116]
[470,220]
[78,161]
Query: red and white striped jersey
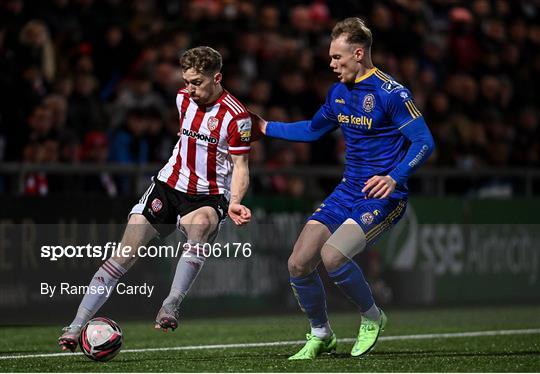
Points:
[201,163]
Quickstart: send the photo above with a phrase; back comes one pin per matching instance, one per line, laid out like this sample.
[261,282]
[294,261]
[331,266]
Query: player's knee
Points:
[201,227]
[332,258]
[298,268]
[202,223]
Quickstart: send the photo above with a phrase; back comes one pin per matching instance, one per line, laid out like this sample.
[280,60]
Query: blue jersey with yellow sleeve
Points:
[384,131]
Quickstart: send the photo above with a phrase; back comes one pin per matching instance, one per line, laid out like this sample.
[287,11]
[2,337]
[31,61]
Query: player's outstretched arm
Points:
[303,131]
[239,213]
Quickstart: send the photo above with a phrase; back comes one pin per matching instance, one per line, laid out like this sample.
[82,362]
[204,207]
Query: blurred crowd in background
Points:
[88,81]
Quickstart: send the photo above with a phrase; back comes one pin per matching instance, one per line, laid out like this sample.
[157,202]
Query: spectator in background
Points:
[30,88]
[113,54]
[40,124]
[167,82]
[70,147]
[292,92]
[260,93]
[269,18]
[158,140]
[137,93]
[408,72]
[35,183]
[257,159]
[13,15]
[129,144]
[383,27]
[283,157]
[248,47]
[85,112]
[108,57]
[464,48]
[63,86]
[526,144]
[36,48]
[169,136]
[57,104]
[471,151]
[95,150]
[438,109]
[41,151]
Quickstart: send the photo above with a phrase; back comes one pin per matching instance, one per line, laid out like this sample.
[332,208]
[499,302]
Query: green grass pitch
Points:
[504,353]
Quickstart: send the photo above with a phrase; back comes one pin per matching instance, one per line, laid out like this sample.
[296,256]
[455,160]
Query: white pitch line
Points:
[293,342]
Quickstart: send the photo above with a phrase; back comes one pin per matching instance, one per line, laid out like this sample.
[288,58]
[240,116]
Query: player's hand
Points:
[258,127]
[239,214]
[379,187]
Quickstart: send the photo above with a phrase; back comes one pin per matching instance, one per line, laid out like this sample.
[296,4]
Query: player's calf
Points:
[187,269]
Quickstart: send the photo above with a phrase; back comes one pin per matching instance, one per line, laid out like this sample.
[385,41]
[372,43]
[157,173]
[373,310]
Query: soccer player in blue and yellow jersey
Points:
[386,139]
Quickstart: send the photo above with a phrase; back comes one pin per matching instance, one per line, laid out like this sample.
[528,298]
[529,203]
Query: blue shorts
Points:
[375,216]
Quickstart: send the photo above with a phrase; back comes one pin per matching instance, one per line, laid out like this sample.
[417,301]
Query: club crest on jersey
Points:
[368,103]
[367,218]
[212,123]
[156,205]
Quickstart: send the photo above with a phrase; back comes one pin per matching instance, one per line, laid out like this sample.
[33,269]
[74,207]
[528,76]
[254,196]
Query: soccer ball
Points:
[101,339]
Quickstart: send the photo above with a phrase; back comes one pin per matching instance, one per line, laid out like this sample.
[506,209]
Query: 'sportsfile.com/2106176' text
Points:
[113,249]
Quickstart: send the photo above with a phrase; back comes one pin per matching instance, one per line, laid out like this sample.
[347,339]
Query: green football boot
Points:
[315,347]
[368,334]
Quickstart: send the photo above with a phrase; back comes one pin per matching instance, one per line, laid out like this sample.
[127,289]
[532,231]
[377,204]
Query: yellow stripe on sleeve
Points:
[410,109]
[415,108]
[381,76]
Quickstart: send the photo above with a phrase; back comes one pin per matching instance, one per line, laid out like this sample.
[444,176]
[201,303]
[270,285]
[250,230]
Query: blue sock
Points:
[350,280]
[309,292]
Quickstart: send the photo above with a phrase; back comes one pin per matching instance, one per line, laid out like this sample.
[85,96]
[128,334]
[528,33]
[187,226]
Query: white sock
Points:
[322,332]
[189,266]
[372,313]
[107,275]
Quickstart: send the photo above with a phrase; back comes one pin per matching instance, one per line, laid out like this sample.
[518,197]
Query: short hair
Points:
[203,59]
[355,30]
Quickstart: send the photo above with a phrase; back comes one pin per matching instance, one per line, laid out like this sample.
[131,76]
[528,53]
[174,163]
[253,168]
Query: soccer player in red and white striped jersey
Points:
[204,181]
[200,163]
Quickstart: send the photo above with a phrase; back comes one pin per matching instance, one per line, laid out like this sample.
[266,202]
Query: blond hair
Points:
[355,30]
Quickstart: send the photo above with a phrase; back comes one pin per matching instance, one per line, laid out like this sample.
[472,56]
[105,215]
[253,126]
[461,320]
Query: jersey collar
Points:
[368,74]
